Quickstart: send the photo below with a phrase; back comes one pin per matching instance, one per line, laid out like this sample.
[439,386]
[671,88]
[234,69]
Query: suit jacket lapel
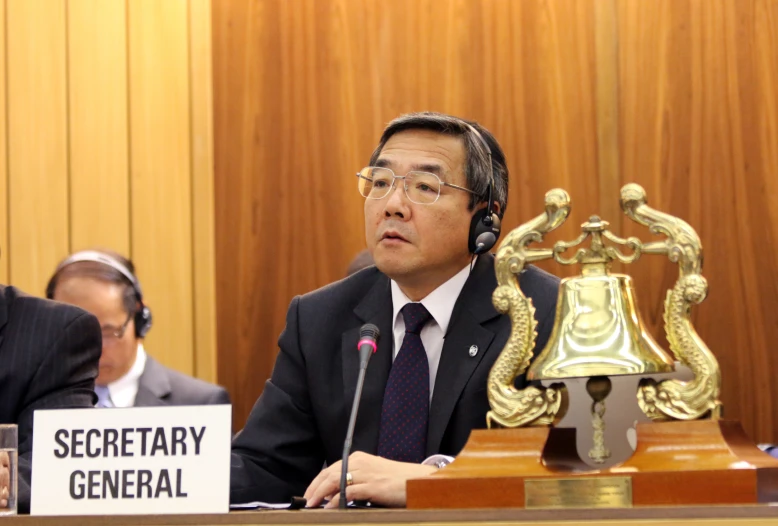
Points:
[153,385]
[471,310]
[375,308]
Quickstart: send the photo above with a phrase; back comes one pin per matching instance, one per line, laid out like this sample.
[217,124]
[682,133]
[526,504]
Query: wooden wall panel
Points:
[98,130]
[699,123]
[679,96]
[203,258]
[68,115]
[606,40]
[160,167]
[3,152]
[37,140]
[302,91]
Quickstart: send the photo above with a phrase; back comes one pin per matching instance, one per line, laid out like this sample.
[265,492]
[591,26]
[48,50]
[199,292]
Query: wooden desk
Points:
[699,516]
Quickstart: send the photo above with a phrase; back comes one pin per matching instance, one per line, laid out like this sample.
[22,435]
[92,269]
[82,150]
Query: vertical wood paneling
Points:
[302,91]
[160,168]
[236,182]
[3,152]
[65,161]
[607,75]
[764,57]
[699,119]
[37,140]
[203,259]
[98,125]
[677,95]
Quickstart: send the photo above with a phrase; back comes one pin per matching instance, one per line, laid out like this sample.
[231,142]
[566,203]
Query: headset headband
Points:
[98,257]
[488,152]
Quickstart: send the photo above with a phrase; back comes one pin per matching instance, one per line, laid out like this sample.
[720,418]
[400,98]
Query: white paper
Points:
[256,504]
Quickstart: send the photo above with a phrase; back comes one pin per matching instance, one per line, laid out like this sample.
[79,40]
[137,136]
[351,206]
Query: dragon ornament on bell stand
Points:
[598,331]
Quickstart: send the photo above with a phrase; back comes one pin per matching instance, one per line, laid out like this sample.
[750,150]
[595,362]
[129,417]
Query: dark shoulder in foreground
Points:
[346,293]
[349,291]
[330,302]
[25,312]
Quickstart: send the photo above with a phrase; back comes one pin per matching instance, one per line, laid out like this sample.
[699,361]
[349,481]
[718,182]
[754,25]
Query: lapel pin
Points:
[473,350]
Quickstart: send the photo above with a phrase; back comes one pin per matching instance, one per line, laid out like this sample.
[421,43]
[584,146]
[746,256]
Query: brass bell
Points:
[598,332]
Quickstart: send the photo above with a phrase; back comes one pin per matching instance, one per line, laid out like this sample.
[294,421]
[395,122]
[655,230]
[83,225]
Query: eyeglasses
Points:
[113,334]
[421,187]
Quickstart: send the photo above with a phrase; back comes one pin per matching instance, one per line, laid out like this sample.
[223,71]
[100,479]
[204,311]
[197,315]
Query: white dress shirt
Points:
[440,304]
[125,389]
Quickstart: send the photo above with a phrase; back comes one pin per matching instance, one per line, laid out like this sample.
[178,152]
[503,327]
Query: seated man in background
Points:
[432,185]
[104,283]
[48,360]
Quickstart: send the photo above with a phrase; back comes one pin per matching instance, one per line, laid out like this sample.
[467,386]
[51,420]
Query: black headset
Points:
[485,225]
[142,316]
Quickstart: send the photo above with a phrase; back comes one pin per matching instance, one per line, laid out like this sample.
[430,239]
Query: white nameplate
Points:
[141,460]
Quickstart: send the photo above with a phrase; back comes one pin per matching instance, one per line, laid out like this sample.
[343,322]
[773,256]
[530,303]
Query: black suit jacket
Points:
[300,420]
[160,385]
[48,360]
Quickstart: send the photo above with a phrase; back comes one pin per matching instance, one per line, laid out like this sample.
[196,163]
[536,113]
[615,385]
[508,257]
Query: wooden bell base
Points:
[676,463]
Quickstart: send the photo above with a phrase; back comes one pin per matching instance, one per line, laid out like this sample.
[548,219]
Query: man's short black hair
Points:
[477,169]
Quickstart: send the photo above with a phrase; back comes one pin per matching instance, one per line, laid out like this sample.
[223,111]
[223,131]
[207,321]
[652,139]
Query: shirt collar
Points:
[124,389]
[440,302]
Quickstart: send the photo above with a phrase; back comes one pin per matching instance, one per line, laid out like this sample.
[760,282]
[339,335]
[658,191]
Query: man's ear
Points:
[482,205]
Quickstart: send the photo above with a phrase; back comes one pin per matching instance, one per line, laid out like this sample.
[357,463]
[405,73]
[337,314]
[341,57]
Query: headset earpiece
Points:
[143,321]
[483,236]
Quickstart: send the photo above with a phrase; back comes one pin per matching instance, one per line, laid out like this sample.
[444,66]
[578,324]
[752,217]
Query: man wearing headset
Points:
[434,192]
[104,283]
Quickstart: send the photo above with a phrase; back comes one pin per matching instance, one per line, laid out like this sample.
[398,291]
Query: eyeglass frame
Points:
[118,333]
[405,186]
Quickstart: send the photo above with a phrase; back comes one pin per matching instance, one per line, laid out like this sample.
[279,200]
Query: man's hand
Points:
[5,479]
[375,479]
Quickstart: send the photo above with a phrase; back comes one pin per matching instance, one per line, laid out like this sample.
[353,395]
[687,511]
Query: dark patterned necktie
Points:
[406,407]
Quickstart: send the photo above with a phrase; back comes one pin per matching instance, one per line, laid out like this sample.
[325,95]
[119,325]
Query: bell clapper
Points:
[598,388]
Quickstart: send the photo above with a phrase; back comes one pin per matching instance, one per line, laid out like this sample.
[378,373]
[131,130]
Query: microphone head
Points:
[484,242]
[369,332]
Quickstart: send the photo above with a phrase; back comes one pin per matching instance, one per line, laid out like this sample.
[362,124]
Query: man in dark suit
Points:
[48,360]
[434,192]
[104,283]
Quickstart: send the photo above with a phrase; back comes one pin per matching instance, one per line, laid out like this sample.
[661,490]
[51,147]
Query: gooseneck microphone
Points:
[368,338]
